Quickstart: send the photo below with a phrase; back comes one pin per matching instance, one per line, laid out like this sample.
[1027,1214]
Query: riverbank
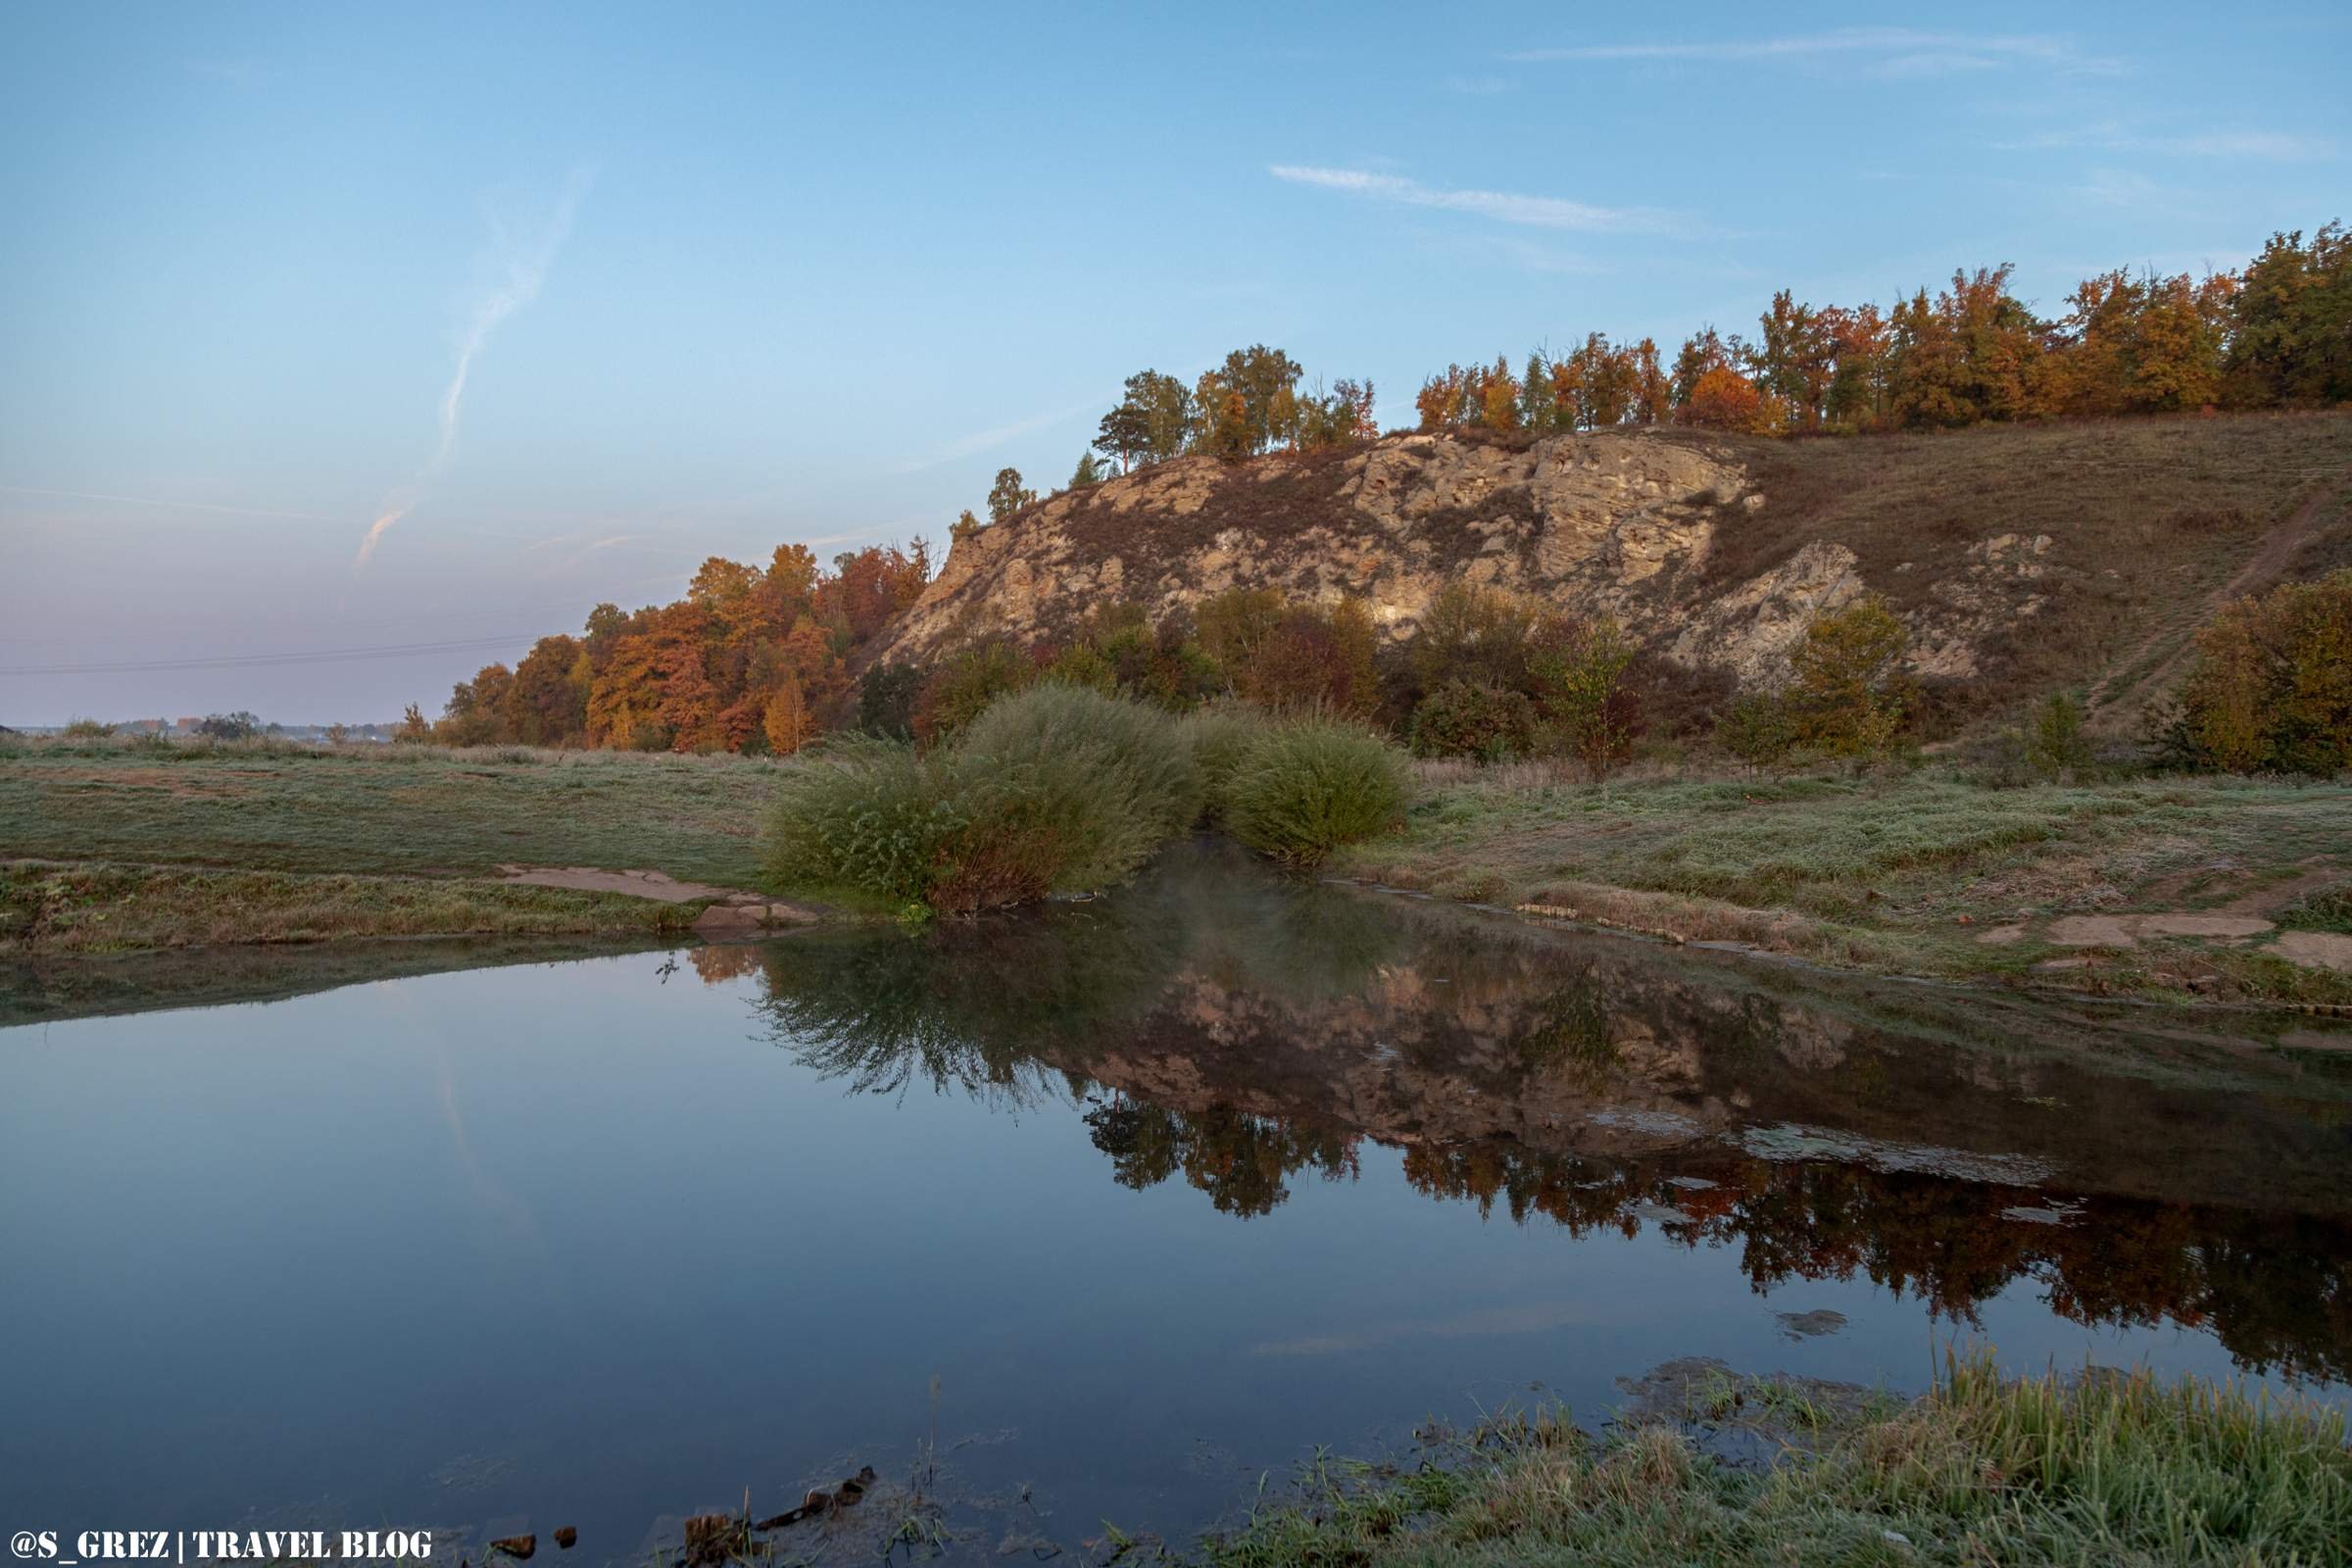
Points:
[2102,1468]
[2183,889]
[115,846]
[2179,889]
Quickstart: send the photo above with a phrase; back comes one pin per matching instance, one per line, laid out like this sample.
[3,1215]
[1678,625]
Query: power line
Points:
[322,655]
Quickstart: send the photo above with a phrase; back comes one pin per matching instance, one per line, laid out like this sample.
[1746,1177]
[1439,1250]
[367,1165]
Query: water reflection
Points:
[1238,1035]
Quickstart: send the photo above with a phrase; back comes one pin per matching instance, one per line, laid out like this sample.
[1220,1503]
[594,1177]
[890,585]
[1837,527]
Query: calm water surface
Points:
[1095,1214]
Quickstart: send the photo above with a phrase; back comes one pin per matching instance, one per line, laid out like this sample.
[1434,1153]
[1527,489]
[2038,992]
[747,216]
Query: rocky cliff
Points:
[2021,558]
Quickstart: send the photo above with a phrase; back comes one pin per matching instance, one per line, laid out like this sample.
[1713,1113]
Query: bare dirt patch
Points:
[657,885]
[733,914]
[2126,930]
[2316,949]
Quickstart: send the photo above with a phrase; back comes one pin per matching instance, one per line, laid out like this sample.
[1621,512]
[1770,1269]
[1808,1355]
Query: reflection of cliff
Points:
[1238,1031]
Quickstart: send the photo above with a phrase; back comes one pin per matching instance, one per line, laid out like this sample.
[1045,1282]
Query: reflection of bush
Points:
[970,1004]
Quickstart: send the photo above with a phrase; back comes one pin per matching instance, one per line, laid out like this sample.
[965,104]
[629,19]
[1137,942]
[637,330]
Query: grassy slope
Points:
[2113,1471]
[2148,520]
[304,845]
[1904,874]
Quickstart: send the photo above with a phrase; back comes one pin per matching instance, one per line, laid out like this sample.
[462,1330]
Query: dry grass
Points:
[1904,873]
[2147,519]
[2095,1471]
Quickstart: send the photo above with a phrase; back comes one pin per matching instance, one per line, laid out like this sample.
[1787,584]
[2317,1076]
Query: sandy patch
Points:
[2126,930]
[657,885]
[2001,936]
[2316,949]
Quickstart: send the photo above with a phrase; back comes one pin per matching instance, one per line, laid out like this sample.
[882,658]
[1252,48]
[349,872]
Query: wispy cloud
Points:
[980,441]
[182,506]
[2111,136]
[519,259]
[1501,205]
[1891,52]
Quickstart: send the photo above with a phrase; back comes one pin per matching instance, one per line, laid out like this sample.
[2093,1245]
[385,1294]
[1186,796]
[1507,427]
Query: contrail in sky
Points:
[523,263]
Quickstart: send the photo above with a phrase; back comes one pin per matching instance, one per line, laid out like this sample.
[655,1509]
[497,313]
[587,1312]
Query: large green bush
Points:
[1220,735]
[1055,789]
[861,815]
[1108,779]
[1302,790]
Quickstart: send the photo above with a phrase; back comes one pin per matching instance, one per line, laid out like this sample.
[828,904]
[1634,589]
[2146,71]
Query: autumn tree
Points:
[2272,687]
[1722,399]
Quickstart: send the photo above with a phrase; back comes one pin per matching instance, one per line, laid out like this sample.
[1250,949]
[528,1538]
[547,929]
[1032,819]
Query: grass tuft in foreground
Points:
[2105,1470]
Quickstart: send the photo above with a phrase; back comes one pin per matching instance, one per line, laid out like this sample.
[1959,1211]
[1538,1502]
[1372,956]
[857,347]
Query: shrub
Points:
[88,729]
[2053,745]
[1579,675]
[1314,660]
[1757,729]
[2272,687]
[1219,735]
[962,688]
[1464,720]
[1475,635]
[1121,760]
[1302,790]
[1850,693]
[237,727]
[862,813]
[886,697]
[1055,789]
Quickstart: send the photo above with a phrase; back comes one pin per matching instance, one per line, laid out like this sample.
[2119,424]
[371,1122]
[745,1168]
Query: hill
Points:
[2025,557]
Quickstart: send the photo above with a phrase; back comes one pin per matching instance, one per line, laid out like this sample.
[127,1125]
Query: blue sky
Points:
[578,296]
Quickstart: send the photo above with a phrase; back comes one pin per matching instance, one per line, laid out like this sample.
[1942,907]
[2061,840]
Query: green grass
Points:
[2101,1472]
[1900,873]
[382,809]
[1055,789]
[51,910]
[1303,788]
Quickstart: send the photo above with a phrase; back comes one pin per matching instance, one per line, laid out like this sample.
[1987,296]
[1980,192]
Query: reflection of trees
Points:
[1233,1030]
[2274,1289]
[1237,1159]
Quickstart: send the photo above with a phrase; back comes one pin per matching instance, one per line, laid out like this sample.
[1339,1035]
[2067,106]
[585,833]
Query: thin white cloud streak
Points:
[1503,207]
[1901,42]
[523,263]
[2277,146]
[982,440]
[183,506]
[525,270]
[1892,54]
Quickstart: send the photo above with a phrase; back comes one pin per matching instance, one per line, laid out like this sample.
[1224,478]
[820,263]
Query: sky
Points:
[344,351]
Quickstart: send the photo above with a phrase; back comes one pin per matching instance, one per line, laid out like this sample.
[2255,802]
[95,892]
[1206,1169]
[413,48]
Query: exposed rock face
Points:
[1621,524]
